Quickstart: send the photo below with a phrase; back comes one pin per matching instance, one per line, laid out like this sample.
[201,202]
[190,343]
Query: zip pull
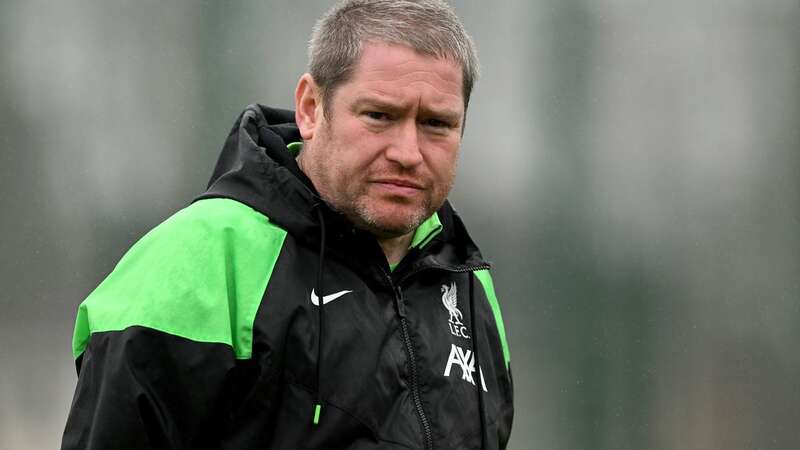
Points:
[317,411]
[401,306]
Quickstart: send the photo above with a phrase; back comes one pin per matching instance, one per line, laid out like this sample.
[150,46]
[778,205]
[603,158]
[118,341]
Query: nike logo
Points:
[326,298]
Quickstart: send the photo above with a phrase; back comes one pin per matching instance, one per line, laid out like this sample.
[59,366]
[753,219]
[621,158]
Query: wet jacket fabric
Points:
[258,318]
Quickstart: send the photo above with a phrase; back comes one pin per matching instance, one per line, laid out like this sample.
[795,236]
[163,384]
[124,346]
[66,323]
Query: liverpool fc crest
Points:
[450,301]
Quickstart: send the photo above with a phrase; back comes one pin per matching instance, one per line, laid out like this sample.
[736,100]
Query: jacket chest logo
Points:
[459,357]
[450,301]
[465,360]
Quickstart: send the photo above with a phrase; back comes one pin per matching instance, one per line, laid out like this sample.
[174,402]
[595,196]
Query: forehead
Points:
[400,74]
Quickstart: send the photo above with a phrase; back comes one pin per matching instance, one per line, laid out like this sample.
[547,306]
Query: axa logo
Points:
[450,301]
[465,360]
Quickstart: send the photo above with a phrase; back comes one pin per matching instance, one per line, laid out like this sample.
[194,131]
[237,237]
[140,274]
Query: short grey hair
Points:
[430,27]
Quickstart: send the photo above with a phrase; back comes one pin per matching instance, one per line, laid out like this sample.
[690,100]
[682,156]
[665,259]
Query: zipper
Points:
[409,344]
[412,364]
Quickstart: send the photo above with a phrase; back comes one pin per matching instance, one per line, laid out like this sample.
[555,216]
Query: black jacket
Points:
[257,318]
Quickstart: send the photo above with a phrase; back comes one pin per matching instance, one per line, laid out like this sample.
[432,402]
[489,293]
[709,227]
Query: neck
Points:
[395,248]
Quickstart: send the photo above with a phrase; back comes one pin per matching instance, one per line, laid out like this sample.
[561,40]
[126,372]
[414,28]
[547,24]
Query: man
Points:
[322,293]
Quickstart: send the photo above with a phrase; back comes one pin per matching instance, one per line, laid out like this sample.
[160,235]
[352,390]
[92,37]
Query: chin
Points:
[392,224]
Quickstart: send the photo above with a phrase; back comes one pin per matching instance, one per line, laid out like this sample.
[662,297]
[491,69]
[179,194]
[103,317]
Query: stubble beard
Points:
[357,205]
[372,220]
[370,213]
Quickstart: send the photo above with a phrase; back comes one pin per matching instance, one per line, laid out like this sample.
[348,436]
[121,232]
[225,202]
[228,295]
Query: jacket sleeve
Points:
[144,389]
[159,343]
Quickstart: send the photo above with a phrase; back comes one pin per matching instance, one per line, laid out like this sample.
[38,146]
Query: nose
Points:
[405,147]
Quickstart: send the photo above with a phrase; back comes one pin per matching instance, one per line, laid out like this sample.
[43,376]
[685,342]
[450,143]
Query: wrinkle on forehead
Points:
[377,72]
[418,81]
[408,77]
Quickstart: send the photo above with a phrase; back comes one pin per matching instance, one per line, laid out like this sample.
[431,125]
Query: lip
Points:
[399,186]
[399,182]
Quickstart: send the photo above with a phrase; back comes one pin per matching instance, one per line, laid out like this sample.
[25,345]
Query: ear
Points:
[308,106]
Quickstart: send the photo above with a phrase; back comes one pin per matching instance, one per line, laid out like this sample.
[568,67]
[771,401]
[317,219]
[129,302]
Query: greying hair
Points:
[428,26]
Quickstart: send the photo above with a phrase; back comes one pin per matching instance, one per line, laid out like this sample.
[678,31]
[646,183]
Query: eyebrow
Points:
[446,114]
[377,103]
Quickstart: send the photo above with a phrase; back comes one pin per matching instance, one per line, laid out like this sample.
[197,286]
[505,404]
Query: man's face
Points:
[386,159]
